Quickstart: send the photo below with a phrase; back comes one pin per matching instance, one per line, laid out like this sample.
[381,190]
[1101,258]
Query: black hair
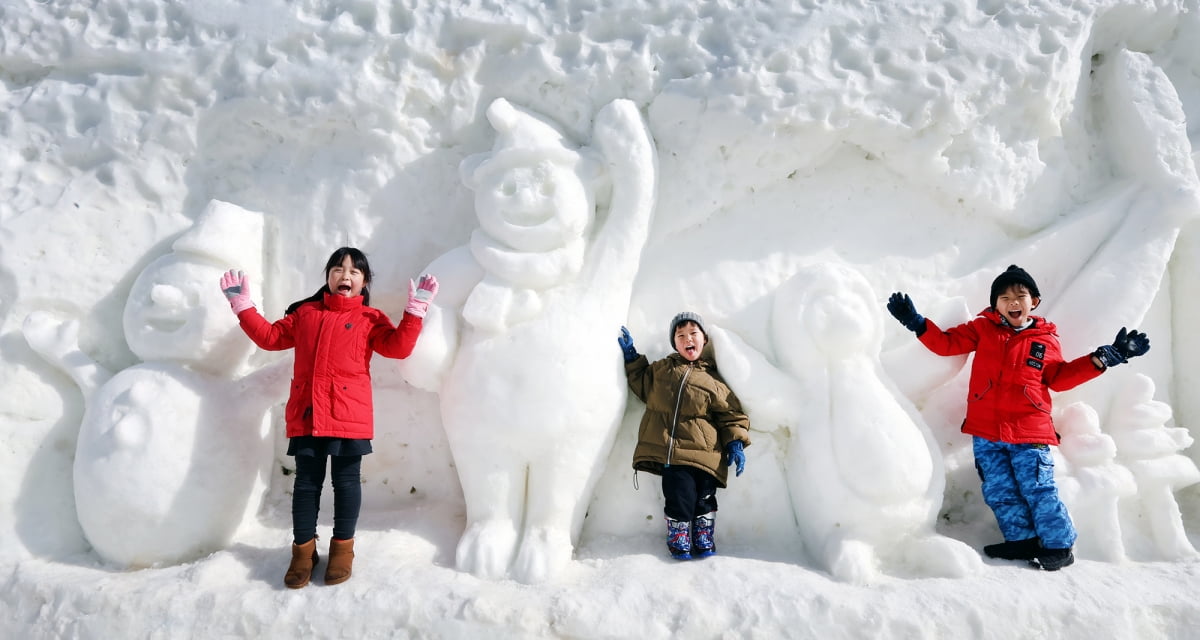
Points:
[360,262]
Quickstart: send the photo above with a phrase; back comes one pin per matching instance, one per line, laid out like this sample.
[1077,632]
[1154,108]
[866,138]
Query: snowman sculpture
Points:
[864,474]
[170,451]
[531,398]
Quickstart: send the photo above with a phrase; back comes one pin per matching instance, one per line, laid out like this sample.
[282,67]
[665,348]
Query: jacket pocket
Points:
[349,402]
[299,400]
[978,391]
[1038,397]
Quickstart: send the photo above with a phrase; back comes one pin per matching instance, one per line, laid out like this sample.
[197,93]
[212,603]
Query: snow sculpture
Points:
[865,477]
[169,450]
[530,398]
[1151,451]
[1092,484]
[1120,242]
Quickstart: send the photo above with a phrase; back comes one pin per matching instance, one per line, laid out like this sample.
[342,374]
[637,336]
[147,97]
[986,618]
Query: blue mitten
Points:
[626,342]
[735,456]
[901,307]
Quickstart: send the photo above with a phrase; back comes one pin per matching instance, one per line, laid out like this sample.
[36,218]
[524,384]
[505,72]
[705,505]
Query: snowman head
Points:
[176,311]
[534,191]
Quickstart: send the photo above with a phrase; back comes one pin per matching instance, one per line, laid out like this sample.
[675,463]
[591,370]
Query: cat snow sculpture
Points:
[865,476]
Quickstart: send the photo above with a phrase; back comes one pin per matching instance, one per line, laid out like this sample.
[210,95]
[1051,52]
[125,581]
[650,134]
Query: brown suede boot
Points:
[304,558]
[341,557]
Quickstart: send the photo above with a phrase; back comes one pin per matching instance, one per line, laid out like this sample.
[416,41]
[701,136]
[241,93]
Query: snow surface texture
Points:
[760,164]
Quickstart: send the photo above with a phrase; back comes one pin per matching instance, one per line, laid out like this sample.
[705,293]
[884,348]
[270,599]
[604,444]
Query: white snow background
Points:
[918,146]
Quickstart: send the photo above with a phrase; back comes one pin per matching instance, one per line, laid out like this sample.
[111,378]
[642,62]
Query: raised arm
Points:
[398,342]
[632,167]
[269,336]
[638,373]
[57,342]
[430,359]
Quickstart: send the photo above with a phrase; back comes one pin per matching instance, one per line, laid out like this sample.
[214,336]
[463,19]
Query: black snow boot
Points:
[1014,550]
[1054,559]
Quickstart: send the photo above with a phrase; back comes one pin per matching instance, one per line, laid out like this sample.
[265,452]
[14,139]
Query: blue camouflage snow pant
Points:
[1018,484]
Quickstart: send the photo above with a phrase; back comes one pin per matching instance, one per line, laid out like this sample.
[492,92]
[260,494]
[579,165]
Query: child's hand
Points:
[1125,346]
[735,456]
[1131,344]
[626,342]
[420,295]
[901,307]
[236,287]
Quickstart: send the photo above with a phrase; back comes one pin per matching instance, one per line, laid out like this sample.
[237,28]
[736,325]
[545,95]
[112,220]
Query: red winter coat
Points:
[1008,398]
[331,378]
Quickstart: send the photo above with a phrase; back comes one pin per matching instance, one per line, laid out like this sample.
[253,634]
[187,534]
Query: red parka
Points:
[331,377]
[1008,398]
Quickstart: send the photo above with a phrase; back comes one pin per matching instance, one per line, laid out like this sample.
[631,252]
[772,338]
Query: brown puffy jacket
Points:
[691,414]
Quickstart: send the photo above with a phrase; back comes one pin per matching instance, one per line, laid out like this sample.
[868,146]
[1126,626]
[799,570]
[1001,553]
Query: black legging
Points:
[306,495]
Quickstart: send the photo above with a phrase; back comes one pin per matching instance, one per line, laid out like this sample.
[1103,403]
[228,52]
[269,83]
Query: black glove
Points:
[901,307]
[1125,346]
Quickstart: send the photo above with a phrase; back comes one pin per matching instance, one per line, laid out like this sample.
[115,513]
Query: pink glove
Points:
[420,295]
[236,287]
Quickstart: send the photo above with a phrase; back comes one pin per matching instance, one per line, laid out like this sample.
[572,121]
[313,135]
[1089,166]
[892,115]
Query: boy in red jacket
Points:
[1017,363]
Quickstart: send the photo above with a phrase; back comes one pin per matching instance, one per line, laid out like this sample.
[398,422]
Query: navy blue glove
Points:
[626,342]
[1126,345]
[735,456]
[901,307]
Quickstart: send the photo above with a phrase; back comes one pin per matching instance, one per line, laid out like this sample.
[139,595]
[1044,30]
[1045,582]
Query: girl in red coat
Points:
[1017,363]
[329,412]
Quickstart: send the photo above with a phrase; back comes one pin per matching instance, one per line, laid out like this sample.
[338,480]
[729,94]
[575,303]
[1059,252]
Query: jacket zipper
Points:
[675,418]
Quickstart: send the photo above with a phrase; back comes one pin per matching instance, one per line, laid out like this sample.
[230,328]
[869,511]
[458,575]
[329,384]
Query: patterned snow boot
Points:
[703,543]
[304,558]
[1054,559]
[679,539]
[1015,550]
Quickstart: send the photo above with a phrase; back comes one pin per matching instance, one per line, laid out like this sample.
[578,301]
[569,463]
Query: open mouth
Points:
[343,288]
[1014,315]
[690,349]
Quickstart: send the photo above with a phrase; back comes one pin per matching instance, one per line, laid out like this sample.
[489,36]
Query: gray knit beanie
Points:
[682,317]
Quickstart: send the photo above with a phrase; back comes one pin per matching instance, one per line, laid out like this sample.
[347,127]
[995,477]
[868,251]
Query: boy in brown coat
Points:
[693,429]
